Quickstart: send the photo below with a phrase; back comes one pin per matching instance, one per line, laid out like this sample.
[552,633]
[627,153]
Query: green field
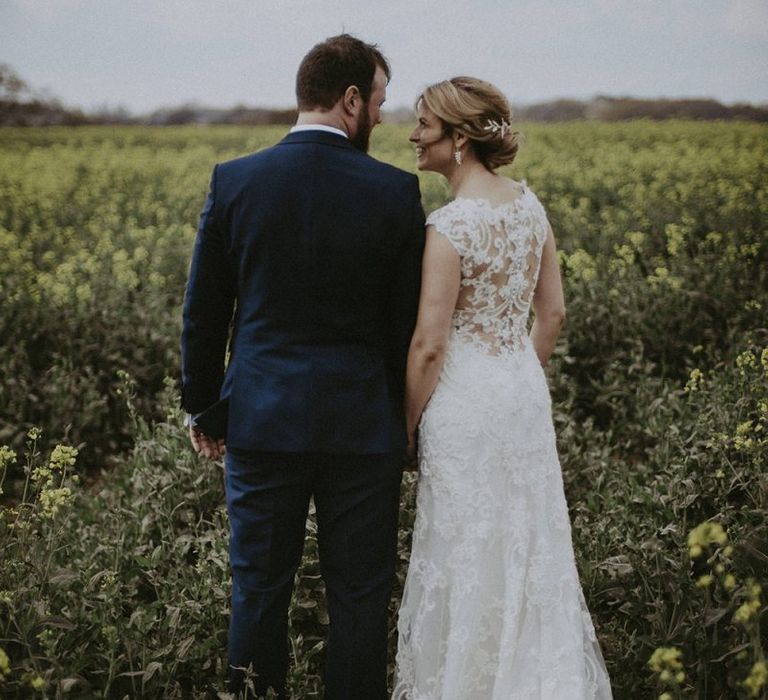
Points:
[113,576]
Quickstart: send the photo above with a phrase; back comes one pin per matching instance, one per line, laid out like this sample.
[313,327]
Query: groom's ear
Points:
[352,100]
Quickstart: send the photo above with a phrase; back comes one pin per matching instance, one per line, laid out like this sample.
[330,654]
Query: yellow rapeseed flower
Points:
[757,679]
[84,293]
[695,380]
[743,443]
[62,457]
[729,582]
[5,664]
[52,500]
[675,238]
[744,362]
[660,276]
[7,456]
[713,237]
[749,250]
[625,253]
[42,474]
[582,264]
[704,581]
[636,238]
[704,535]
[746,611]
[669,658]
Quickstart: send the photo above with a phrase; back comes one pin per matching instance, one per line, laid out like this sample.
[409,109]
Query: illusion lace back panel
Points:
[500,248]
[492,607]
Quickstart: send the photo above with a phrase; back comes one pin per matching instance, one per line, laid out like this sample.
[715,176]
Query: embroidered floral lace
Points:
[493,608]
[500,248]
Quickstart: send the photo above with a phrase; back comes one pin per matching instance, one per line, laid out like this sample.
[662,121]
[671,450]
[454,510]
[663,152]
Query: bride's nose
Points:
[413,137]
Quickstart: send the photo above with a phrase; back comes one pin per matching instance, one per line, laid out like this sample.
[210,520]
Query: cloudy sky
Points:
[144,54]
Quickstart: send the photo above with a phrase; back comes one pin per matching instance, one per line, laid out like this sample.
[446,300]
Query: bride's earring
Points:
[457,156]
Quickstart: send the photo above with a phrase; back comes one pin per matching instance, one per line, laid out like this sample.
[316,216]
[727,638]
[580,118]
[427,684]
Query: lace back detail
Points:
[500,248]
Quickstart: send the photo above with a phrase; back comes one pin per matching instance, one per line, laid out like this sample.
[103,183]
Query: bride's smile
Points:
[434,148]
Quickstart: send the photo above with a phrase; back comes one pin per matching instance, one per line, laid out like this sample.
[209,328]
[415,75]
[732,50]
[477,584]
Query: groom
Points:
[307,263]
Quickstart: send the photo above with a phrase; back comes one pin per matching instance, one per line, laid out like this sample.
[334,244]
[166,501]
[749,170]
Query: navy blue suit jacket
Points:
[307,262]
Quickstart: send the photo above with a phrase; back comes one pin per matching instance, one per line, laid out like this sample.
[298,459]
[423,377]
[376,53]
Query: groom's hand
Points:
[204,445]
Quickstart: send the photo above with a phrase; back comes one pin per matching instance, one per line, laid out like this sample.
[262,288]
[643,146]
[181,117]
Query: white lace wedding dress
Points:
[493,608]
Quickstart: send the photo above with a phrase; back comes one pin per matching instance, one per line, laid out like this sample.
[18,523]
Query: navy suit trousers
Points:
[357,501]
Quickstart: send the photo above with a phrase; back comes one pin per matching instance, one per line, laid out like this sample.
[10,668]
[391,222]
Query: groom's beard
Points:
[360,141]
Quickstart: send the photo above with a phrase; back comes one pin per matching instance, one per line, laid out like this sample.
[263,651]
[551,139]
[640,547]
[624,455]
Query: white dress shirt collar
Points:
[318,127]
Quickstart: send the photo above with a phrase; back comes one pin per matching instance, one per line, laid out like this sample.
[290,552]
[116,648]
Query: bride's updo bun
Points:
[479,110]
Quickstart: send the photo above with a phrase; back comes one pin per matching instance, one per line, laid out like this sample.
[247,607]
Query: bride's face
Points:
[434,150]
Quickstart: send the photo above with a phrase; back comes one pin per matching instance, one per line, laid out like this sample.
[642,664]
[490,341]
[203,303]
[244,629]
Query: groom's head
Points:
[344,75]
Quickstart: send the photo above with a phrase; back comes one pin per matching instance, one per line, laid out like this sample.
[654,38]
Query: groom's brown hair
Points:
[332,66]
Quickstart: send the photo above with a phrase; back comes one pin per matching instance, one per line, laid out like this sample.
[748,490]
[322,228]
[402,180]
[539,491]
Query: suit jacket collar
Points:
[317,136]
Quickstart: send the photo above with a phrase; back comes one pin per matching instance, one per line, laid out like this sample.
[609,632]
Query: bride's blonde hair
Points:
[479,110]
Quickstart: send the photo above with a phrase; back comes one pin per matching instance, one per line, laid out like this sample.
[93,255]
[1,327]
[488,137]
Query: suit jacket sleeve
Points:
[404,299]
[207,312]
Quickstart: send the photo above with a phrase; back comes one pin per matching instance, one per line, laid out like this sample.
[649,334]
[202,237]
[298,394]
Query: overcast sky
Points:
[144,54]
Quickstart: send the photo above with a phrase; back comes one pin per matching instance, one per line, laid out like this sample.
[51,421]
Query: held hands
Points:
[204,445]
[411,456]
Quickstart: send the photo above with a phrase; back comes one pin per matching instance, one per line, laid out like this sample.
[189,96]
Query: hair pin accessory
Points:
[497,127]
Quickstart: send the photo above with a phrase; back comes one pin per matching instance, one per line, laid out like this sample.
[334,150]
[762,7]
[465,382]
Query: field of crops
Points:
[113,566]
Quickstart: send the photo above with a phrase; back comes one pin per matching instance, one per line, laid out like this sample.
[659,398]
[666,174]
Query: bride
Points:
[492,608]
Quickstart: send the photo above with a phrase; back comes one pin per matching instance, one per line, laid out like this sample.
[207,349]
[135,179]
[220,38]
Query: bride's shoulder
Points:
[445,213]
[531,196]
[514,198]
[522,193]
[454,221]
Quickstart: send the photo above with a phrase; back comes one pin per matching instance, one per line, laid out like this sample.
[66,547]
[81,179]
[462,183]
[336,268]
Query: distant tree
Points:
[554,111]
[20,106]
[750,112]
[182,115]
[12,87]
[104,114]
[611,109]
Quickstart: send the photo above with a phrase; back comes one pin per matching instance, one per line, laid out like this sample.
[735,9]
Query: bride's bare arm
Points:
[440,282]
[548,303]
